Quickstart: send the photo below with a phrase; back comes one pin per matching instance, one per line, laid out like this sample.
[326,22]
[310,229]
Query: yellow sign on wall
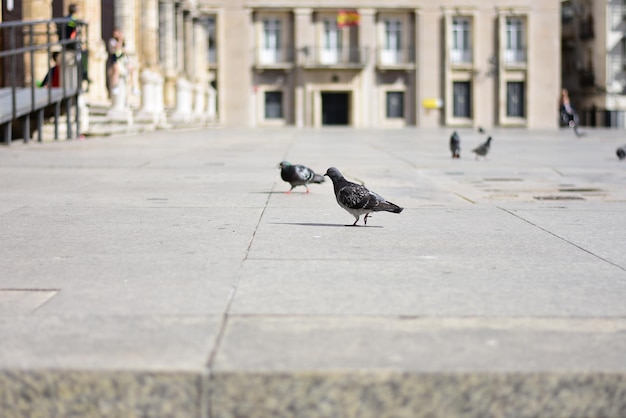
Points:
[432,103]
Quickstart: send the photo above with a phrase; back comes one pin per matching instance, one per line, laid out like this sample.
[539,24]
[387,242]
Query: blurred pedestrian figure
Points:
[118,64]
[53,77]
[569,117]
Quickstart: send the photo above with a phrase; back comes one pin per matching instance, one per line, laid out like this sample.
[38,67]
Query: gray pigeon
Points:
[482,149]
[356,199]
[621,152]
[298,175]
[455,145]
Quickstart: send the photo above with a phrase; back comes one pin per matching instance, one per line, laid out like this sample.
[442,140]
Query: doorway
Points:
[336,108]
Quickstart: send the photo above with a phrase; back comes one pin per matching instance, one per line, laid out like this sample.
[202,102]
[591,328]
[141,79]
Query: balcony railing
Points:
[617,66]
[515,57]
[346,57]
[395,58]
[281,57]
[460,56]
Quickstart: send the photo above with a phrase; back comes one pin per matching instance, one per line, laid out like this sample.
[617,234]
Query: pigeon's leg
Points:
[367,215]
[307,188]
[289,192]
[357,220]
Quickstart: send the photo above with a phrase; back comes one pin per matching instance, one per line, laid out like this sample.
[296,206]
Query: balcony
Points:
[617,68]
[461,57]
[515,57]
[338,58]
[281,58]
[395,59]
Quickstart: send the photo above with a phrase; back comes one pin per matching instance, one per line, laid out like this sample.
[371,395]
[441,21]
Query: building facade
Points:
[424,63]
[594,59]
[365,63]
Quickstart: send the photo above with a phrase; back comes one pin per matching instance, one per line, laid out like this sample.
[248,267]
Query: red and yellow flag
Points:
[347,18]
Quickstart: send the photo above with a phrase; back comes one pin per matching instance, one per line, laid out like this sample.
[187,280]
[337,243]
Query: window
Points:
[270,48]
[331,42]
[392,51]
[515,99]
[395,104]
[210,29]
[461,52]
[273,105]
[515,50]
[461,99]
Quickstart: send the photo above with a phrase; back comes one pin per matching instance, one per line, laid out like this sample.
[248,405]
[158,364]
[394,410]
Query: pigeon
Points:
[298,175]
[481,130]
[455,145]
[621,152]
[482,149]
[357,199]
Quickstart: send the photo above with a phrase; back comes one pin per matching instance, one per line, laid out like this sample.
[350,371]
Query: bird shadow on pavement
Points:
[321,224]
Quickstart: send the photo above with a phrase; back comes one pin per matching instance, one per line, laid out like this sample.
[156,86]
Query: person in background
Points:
[118,65]
[53,78]
[569,117]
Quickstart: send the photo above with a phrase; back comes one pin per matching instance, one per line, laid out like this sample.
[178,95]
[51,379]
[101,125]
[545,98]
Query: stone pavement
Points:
[168,275]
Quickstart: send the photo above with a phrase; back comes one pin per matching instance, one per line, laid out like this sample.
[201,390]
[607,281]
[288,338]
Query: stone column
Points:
[150,76]
[365,111]
[188,60]
[200,57]
[167,48]
[304,43]
[96,55]
[184,61]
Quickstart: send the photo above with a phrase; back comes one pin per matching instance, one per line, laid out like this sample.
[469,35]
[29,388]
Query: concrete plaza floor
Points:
[169,275]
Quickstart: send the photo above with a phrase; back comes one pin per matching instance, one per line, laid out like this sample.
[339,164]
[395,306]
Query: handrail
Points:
[20,40]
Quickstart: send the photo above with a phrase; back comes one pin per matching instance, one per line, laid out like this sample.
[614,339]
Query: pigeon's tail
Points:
[389,207]
[317,178]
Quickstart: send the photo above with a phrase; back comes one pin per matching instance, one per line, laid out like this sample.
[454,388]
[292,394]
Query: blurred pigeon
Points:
[298,175]
[621,152]
[356,199]
[482,149]
[481,130]
[455,145]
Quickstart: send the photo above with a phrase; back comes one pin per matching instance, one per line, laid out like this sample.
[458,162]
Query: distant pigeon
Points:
[482,149]
[298,175]
[481,130]
[621,152]
[356,199]
[455,145]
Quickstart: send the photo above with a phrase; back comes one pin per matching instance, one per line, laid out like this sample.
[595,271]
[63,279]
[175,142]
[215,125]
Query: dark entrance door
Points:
[335,108]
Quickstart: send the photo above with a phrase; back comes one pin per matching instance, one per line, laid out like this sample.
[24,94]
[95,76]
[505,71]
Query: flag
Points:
[347,18]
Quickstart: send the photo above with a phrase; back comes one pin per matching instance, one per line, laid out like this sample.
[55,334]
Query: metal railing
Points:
[333,57]
[281,55]
[20,94]
[386,57]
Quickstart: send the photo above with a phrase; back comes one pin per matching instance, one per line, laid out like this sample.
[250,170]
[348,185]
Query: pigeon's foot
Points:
[367,215]
[357,220]
[288,192]
[307,189]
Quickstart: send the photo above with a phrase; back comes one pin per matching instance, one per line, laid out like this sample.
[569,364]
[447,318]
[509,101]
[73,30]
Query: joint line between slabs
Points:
[233,290]
[562,239]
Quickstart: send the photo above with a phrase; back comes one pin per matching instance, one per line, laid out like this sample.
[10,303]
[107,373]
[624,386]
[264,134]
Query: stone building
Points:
[360,63]
[594,59]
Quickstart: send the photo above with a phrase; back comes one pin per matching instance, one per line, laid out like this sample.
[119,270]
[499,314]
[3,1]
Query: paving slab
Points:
[168,274]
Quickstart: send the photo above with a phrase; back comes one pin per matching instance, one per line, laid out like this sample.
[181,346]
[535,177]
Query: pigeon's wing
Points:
[304,174]
[354,196]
